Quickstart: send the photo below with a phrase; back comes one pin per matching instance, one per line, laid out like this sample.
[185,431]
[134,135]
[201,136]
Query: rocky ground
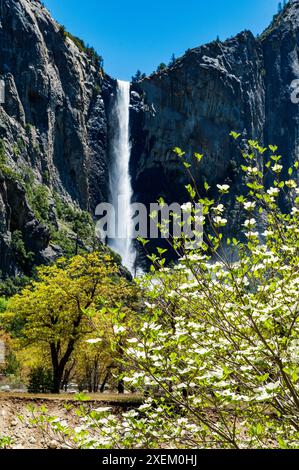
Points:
[16,413]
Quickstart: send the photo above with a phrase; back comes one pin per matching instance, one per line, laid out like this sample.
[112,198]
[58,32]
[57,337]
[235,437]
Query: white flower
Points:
[252,170]
[146,406]
[187,207]
[93,341]
[223,188]
[252,234]
[248,206]
[249,223]
[118,329]
[182,385]
[219,221]
[79,429]
[268,233]
[272,387]
[103,409]
[148,305]
[219,209]
[183,421]
[132,340]
[201,351]
[277,168]
[291,184]
[127,379]
[273,192]
[196,257]
[294,211]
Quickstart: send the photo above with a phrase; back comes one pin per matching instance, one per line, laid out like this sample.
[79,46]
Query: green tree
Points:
[138,76]
[60,309]
[172,60]
[18,246]
[83,227]
[40,380]
[161,67]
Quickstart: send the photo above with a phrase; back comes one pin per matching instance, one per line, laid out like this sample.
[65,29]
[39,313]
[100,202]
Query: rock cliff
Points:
[54,123]
[242,84]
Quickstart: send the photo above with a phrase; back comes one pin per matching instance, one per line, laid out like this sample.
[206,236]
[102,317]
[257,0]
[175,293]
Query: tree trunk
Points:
[57,379]
[121,387]
[96,375]
[59,366]
[102,389]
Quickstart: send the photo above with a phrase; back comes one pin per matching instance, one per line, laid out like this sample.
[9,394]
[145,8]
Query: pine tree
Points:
[161,67]
[172,60]
[138,76]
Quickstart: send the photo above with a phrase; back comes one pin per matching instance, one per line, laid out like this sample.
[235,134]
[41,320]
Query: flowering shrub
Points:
[216,345]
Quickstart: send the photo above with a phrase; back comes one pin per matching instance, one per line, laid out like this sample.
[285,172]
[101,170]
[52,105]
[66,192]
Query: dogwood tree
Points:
[216,345]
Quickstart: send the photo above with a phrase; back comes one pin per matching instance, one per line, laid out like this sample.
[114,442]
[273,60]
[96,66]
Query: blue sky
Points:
[139,34]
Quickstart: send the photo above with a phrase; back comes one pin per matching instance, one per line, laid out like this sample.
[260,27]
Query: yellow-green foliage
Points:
[65,304]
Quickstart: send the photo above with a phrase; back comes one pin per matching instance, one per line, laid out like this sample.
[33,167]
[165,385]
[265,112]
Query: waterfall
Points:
[119,177]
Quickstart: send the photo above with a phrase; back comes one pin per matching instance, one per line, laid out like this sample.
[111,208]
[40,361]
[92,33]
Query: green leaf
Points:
[191,190]
[142,241]
[198,157]
[273,148]
[234,135]
[206,186]
[178,152]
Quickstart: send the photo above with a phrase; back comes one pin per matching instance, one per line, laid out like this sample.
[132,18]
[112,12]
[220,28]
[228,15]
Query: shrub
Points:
[3,304]
[39,201]
[18,246]
[12,366]
[2,153]
[89,51]
[40,380]
[5,442]
[11,286]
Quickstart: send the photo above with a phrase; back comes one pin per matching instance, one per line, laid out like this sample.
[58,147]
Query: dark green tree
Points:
[138,76]
[161,67]
[40,380]
[172,60]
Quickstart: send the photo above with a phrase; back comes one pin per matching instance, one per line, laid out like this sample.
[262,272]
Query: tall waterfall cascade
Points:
[119,178]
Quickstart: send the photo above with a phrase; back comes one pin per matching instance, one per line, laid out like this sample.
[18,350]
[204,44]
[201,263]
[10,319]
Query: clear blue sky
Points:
[139,34]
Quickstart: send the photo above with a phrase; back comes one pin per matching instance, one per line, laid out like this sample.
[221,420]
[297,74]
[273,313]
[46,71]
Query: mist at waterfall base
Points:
[119,178]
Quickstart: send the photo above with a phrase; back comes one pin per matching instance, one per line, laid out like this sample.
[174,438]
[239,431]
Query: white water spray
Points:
[119,179]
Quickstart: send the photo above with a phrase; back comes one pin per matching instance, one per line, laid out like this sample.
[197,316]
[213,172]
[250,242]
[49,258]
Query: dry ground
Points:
[26,436]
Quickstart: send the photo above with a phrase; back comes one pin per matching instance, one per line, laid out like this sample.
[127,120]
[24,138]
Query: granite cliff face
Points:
[53,123]
[242,84]
[55,126]
[280,45]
